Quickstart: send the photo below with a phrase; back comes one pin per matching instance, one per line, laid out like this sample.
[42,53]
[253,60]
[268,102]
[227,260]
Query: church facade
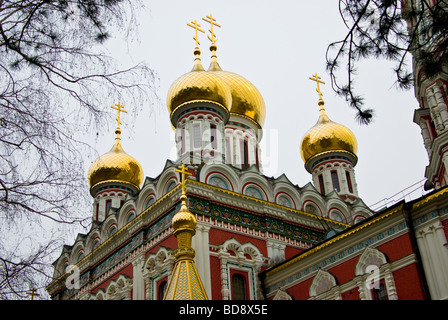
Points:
[255,237]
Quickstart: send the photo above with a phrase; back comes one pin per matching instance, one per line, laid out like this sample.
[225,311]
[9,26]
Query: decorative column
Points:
[223,258]
[138,283]
[431,240]
[202,258]
[276,251]
[425,135]
[390,283]
[434,109]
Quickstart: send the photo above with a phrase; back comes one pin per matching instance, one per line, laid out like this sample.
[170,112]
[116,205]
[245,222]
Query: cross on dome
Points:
[212,22]
[32,293]
[195,25]
[120,109]
[184,172]
[316,78]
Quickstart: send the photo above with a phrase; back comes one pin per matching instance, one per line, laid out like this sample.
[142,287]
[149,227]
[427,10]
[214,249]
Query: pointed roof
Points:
[185,283]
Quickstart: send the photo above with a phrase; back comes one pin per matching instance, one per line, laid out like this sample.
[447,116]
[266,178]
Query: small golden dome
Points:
[247,101]
[326,136]
[198,85]
[183,219]
[116,165]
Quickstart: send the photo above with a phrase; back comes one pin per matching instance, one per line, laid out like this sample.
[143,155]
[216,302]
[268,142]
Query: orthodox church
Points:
[212,226]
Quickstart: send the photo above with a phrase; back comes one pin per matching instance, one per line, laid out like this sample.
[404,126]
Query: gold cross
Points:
[317,79]
[183,170]
[212,22]
[119,108]
[195,25]
[32,293]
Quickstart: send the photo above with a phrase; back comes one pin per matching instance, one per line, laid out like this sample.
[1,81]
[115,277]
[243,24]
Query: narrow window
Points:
[213,136]
[97,210]
[182,141]
[380,293]
[238,287]
[349,181]
[228,151]
[321,184]
[197,135]
[162,289]
[335,180]
[244,154]
[108,206]
[256,158]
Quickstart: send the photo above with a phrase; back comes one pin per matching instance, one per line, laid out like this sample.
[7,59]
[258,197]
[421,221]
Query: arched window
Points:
[149,202]
[238,287]
[96,244]
[244,154]
[284,201]
[218,182]
[337,216]
[80,256]
[335,180]
[321,185]
[349,181]
[130,217]
[171,185]
[108,206]
[112,231]
[254,193]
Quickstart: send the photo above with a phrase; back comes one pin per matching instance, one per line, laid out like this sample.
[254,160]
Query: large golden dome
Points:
[326,136]
[116,165]
[198,85]
[247,101]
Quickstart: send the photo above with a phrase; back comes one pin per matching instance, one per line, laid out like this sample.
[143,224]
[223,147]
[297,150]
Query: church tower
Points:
[430,88]
[329,152]
[218,115]
[113,175]
[199,104]
[243,131]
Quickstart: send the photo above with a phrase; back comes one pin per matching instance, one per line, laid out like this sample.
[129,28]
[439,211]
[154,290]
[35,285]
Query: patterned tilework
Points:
[185,283]
[253,221]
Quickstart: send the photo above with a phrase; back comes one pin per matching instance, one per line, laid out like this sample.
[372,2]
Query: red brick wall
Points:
[407,283]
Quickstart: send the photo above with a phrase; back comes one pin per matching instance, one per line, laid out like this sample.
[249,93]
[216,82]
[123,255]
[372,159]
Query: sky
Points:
[277,45]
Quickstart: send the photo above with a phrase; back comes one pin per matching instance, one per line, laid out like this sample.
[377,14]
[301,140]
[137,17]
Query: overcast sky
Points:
[277,45]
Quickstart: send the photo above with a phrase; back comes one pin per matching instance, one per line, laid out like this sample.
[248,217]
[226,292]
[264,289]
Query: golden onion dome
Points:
[183,219]
[198,85]
[247,101]
[116,165]
[327,136]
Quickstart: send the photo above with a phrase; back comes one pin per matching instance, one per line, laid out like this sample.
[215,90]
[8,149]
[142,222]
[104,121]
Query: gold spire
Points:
[214,65]
[197,52]
[322,114]
[185,283]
